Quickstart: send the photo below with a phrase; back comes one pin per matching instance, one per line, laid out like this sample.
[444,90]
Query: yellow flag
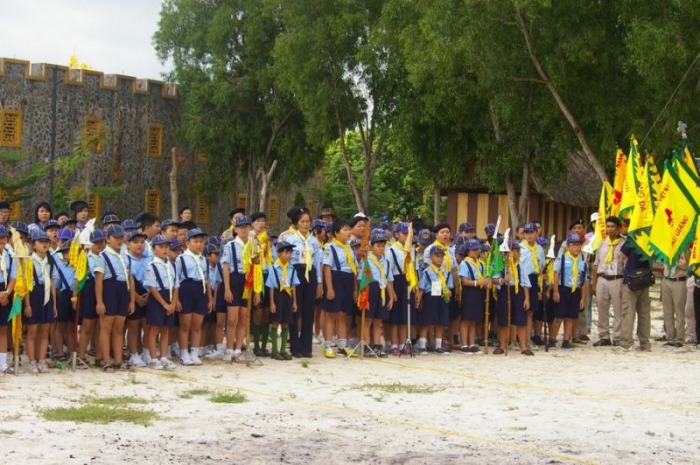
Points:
[676,212]
[689,160]
[642,215]
[654,181]
[618,182]
[632,175]
[603,212]
[694,260]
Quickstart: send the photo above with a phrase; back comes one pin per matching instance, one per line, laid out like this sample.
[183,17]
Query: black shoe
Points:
[616,343]
[566,345]
[296,354]
[306,354]
[264,353]
[480,342]
[584,338]
[537,340]
[440,351]
[668,344]
[602,343]
[552,345]
[677,344]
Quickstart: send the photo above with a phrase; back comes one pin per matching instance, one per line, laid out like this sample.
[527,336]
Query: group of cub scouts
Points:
[177,292]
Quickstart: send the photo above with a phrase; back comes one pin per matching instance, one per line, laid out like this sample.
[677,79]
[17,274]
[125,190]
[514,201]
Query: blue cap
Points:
[485,247]
[65,234]
[460,241]
[435,250]
[530,227]
[68,221]
[3,231]
[167,222]
[130,224]
[110,219]
[572,237]
[385,225]
[355,243]
[284,245]
[50,224]
[196,232]
[210,249]
[461,250]
[425,237]
[541,241]
[64,247]
[318,224]
[134,234]
[243,220]
[159,239]
[490,229]
[514,245]
[39,235]
[401,227]
[114,230]
[472,244]
[21,227]
[465,227]
[378,235]
[97,236]
[175,244]
[78,205]
[215,240]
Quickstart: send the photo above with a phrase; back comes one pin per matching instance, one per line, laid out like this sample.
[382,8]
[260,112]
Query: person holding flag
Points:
[405,281]
[8,276]
[532,261]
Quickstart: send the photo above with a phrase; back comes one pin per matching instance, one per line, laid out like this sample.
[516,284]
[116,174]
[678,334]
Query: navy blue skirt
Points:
[41,314]
[377,309]
[65,313]
[473,304]
[534,290]
[5,309]
[501,306]
[88,302]
[155,313]
[193,298]
[115,296]
[518,315]
[434,312]
[568,306]
[344,288]
[399,312]
[283,309]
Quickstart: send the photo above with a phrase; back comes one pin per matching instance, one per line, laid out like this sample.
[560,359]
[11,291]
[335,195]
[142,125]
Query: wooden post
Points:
[174,194]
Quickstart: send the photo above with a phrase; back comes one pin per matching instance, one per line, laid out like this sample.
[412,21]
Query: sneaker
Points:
[137,361]
[537,340]
[4,367]
[42,367]
[395,351]
[474,349]
[228,355]
[584,338]
[348,352]
[422,351]
[352,342]
[195,359]
[201,351]
[677,344]
[155,365]
[146,357]
[167,364]
[379,350]
[602,343]
[441,351]
[186,360]
[552,345]
[566,345]
[465,349]
[328,352]
[407,349]
[215,355]
[236,354]
[668,344]
[318,339]
[643,349]
[33,368]
[616,343]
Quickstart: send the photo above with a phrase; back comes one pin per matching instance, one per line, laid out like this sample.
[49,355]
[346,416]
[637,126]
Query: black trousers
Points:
[301,332]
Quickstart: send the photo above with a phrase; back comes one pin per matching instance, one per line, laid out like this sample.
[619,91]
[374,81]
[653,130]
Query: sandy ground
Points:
[583,406]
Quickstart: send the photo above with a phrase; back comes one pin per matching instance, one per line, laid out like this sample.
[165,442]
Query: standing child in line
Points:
[51,229]
[433,297]
[339,273]
[398,317]
[260,320]
[135,322]
[195,297]
[215,274]
[321,230]
[40,304]
[381,291]
[160,281]
[569,290]
[518,283]
[115,293]
[88,314]
[282,281]
[64,324]
[8,275]
[234,283]
[475,284]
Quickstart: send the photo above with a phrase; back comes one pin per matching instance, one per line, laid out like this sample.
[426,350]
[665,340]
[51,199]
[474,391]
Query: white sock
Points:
[342,343]
[3,358]
[183,353]
[421,342]
[194,351]
[220,348]
[401,346]
[438,342]
[146,352]
[393,346]
[134,355]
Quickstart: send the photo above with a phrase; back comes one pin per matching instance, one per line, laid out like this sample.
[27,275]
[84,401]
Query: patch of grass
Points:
[228,398]
[396,388]
[133,380]
[650,433]
[304,364]
[7,432]
[100,414]
[114,401]
[193,392]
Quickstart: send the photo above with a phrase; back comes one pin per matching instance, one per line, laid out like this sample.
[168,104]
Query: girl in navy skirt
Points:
[64,325]
[234,284]
[160,281]
[518,285]
[381,291]
[432,299]
[116,298]
[282,281]
[339,276]
[40,304]
[88,314]
[474,284]
[569,290]
[8,275]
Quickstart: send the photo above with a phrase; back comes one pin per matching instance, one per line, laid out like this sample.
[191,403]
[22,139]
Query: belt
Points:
[610,277]
[682,278]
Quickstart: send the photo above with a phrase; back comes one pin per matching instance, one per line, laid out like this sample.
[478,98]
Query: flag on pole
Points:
[694,259]
[631,183]
[618,183]
[365,280]
[689,158]
[605,209]
[409,268]
[642,215]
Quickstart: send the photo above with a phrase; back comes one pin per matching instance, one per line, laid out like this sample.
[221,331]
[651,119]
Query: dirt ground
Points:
[589,405]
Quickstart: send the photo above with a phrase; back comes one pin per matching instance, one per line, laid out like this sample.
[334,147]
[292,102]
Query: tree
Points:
[15,182]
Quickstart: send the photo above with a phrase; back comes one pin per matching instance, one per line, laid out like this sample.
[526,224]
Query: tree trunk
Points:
[346,162]
[436,204]
[524,192]
[587,150]
[512,202]
[265,181]
[174,193]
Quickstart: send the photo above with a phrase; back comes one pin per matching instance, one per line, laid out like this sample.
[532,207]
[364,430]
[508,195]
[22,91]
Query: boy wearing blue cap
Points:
[282,282]
[215,274]
[433,298]
[64,323]
[116,298]
[260,321]
[381,291]
[40,304]
[162,304]
[517,284]
[398,317]
[51,229]
[532,263]
[8,275]
[474,284]
[449,264]
[569,290]
[137,263]
[88,302]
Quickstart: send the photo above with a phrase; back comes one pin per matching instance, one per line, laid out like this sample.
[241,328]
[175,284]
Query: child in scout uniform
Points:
[433,298]
[40,304]
[260,322]
[195,297]
[532,262]
[467,231]
[163,287]
[80,213]
[569,290]
[51,229]
[64,324]
[515,282]
[215,274]
[339,276]
[282,281]
[321,231]
[306,258]
[398,317]
[135,322]
[168,228]
[8,275]
[449,264]
[475,284]
[88,302]
[234,283]
[115,293]
[381,291]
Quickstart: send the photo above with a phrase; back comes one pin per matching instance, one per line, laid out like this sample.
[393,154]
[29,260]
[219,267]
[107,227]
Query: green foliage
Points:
[15,182]
[228,398]
[103,411]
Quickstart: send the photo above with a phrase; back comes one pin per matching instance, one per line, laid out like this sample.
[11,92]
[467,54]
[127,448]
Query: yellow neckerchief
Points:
[611,249]
[535,261]
[308,255]
[382,276]
[441,277]
[514,274]
[574,271]
[284,267]
[111,251]
[448,260]
[475,264]
[349,257]
[265,247]
[45,274]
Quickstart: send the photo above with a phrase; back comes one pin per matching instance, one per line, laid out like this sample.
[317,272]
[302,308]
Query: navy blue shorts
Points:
[377,308]
[88,302]
[4,309]
[155,313]
[568,306]
[434,312]
[115,295]
[192,298]
[344,288]
[518,315]
[473,305]
[501,306]
[399,312]
[265,296]
[66,314]
[283,307]
[237,283]
[41,314]
[139,312]
[534,290]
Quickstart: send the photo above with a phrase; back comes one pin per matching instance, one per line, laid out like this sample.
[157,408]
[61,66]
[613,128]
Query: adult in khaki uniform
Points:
[674,294]
[607,283]
[635,303]
[690,335]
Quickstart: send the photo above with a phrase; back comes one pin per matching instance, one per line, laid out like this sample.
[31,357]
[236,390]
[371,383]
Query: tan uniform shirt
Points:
[616,266]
